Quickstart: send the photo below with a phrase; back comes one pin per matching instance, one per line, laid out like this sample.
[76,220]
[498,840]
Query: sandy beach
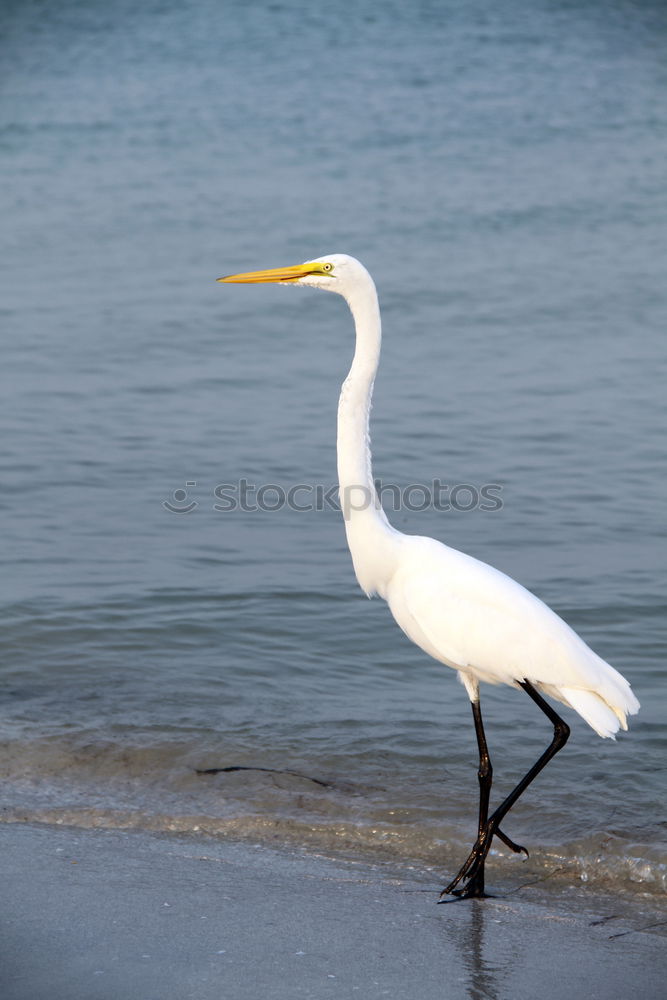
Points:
[104,915]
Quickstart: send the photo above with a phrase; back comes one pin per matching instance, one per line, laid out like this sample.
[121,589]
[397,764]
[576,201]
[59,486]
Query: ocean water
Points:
[500,170]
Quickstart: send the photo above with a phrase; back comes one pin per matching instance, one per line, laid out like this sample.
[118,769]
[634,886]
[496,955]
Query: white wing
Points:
[484,624]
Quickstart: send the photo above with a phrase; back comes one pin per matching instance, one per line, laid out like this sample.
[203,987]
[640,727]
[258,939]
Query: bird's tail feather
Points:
[605,719]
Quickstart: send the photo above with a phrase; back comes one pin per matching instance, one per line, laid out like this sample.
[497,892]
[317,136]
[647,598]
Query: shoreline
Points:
[106,914]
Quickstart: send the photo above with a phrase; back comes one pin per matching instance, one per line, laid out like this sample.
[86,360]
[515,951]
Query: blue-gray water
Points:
[501,171]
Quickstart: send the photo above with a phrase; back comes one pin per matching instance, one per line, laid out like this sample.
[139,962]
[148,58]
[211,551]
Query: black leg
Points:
[485,777]
[485,771]
[473,869]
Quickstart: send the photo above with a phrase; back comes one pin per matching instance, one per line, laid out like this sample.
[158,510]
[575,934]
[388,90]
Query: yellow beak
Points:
[278,273]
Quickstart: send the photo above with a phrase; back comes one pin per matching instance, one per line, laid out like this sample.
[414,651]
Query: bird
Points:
[461,611]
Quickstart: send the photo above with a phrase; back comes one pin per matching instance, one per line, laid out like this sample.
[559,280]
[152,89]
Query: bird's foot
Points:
[473,888]
[472,871]
[517,848]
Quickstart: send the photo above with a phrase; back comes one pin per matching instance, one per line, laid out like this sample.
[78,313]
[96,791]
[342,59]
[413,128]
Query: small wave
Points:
[165,786]
[380,842]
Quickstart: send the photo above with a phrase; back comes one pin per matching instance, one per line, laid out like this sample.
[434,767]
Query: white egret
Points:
[461,611]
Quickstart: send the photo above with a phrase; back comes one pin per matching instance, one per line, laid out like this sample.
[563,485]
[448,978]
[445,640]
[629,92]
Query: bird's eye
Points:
[327,267]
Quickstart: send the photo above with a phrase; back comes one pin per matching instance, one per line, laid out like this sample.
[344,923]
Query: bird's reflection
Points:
[484,974]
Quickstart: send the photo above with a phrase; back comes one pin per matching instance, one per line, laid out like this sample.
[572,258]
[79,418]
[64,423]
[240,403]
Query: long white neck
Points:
[372,541]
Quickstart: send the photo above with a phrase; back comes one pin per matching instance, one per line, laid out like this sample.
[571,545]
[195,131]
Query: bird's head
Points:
[335,272]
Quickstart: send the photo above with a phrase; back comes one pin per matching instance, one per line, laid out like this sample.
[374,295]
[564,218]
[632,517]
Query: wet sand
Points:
[113,915]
